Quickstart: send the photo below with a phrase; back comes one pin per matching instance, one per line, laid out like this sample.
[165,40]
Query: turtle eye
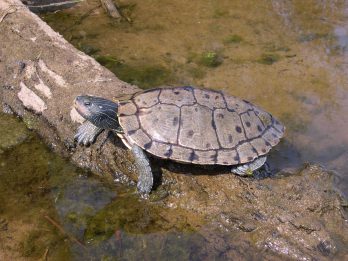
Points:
[87,103]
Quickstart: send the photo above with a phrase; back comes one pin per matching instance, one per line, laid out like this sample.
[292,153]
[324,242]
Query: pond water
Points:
[289,57]
[50,208]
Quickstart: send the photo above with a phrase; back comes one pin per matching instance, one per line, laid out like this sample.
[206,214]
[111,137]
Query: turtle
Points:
[185,124]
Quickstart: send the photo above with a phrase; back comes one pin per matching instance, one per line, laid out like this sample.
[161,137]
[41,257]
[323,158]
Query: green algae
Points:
[108,60]
[36,184]
[269,58]
[88,49]
[294,123]
[233,39]
[30,121]
[145,76]
[219,13]
[196,72]
[311,37]
[127,10]
[210,59]
[25,196]
[131,215]
[12,132]
[37,241]
[273,47]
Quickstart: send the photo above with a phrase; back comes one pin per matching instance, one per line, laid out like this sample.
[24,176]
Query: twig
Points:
[118,236]
[44,258]
[110,8]
[83,17]
[61,229]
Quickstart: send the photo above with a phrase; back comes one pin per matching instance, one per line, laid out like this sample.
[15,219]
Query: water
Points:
[48,207]
[289,57]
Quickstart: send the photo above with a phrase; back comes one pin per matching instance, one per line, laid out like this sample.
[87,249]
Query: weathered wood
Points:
[110,8]
[41,74]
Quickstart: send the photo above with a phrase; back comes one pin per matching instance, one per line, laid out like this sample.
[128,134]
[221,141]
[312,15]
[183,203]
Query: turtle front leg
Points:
[247,169]
[145,179]
[87,133]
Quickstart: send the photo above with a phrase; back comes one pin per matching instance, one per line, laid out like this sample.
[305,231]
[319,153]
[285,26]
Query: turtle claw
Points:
[144,195]
[248,169]
[87,133]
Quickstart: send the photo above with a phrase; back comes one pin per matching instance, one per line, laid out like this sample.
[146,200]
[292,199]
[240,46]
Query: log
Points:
[41,75]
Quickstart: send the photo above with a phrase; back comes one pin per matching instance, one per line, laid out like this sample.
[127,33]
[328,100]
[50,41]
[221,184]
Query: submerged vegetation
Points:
[210,59]
[269,58]
[145,76]
[233,39]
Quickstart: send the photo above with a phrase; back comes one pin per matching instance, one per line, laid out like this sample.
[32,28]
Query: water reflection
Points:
[325,139]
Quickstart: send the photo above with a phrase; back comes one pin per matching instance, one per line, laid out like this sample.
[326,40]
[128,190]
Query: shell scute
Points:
[197,130]
[140,137]
[159,148]
[211,99]
[252,125]
[205,156]
[228,127]
[147,99]
[177,96]
[238,105]
[181,154]
[131,121]
[160,122]
[227,157]
[246,152]
[127,108]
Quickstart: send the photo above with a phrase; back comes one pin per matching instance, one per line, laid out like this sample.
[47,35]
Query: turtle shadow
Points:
[187,169]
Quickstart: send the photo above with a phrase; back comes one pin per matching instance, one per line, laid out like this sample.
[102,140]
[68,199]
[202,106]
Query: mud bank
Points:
[296,213]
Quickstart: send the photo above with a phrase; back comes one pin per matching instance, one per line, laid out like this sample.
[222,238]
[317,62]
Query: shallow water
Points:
[48,207]
[290,57]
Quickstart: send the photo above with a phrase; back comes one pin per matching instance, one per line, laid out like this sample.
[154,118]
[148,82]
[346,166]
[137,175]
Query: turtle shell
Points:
[200,126]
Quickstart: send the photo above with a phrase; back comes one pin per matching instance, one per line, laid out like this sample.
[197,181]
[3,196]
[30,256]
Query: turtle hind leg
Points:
[249,168]
[87,133]
[145,179]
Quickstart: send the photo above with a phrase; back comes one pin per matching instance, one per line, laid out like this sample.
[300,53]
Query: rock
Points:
[288,214]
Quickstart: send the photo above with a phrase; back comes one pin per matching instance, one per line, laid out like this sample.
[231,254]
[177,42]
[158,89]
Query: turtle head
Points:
[99,111]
